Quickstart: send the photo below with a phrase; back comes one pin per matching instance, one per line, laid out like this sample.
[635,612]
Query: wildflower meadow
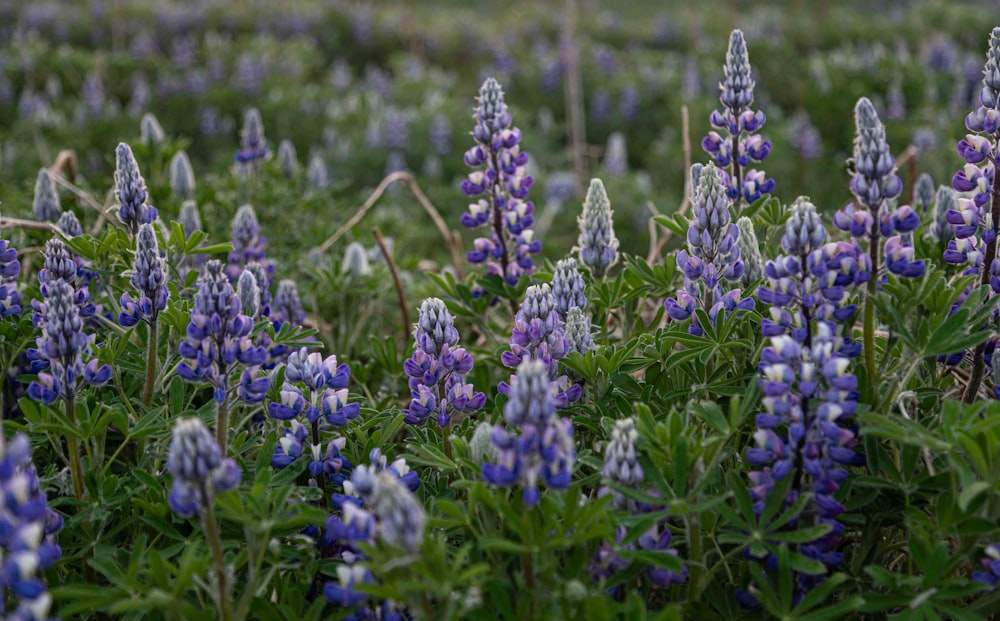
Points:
[568,310]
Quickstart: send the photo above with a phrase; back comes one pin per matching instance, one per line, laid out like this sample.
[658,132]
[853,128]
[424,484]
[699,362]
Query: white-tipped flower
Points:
[753,262]
[69,225]
[616,155]
[577,331]
[249,293]
[46,202]
[401,517]
[597,243]
[481,446]
[182,176]
[189,217]
[356,260]
[318,176]
[621,463]
[150,131]
[568,287]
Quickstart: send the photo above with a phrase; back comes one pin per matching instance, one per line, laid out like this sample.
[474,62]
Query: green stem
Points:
[222,424]
[75,468]
[147,390]
[212,534]
[695,566]
[869,317]
[528,561]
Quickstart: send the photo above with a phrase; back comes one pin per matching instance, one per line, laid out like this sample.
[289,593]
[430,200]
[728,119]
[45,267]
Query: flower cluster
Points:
[941,230]
[741,145]
[218,339]
[27,541]
[195,460]
[502,183]
[991,566]
[621,466]
[437,369]
[10,269]
[577,331]
[315,389]
[568,287]
[287,306]
[182,176]
[597,243]
[147,278]
[538,334]
[130,189]
[543,450]
[69,225]
[874,183]
[253,145]
[805,433]
[712,258]
[810,282]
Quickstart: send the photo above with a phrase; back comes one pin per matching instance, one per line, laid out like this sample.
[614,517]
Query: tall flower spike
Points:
[741,146]
[69,225]
[199,471]
[28,546]
[182,176]
[401,517]
[253,145]
[923,193]
[249,293]
[288,161]
[148,279]
[568,287]
[248,244]
[874,179]
[597,243]
[46,201]
[621,463]
[437,369]
[356,261]
[501,183]
[318,176]
[543,451]
[130,189]
[941,230]
[711,263]
[189,217]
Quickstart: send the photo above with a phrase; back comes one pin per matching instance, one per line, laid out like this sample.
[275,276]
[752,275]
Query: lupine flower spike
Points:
[69,225]
[976,225]
[741,146]
[437,370]
[253,145]
[46,201]
[501,182]
[130,189]
[10,269]
[182,176]
[568,287]
[597,243]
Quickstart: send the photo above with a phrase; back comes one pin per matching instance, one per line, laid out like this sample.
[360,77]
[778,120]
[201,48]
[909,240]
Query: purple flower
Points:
[248,244]
[500,179]
[287,307]
[182,176]
[991,566]
[568,287]
[46,201]
[10,269]
[437,369]
[597,243]
[130,189]
[28,545]
[253,145]
[147,278]
[741,146]
[195,461]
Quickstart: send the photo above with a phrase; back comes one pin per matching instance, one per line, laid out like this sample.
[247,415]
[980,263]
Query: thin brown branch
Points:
[404,308]
[451,238]
[87,199]
[31,225]
[66,159]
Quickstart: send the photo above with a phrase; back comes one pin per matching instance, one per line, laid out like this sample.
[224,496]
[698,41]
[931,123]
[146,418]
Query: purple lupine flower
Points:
[147,277]
[440,135]
[248,291]
[941,230]
[805,433]
[543,450]
[130,189]
[46,202]
[182,176]
[317,174]
[501,180]
[28,544]
[597,244]
[753,262]
[69,225]
[199,471]
[189,217]
[437,369]
[923,193]
[568,287]
[991,566]
[712,259]
[253,145]
[60,264]
[621,462]
[10,269]
[287,307]
[63,345]
[263,280]
[151,132]
[288,161]
[400,517]
[218,338]
[741,145]
[248,244]
[874,182]
[615,161]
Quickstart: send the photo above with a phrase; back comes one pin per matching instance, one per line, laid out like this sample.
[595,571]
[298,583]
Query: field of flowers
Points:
[568,310]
